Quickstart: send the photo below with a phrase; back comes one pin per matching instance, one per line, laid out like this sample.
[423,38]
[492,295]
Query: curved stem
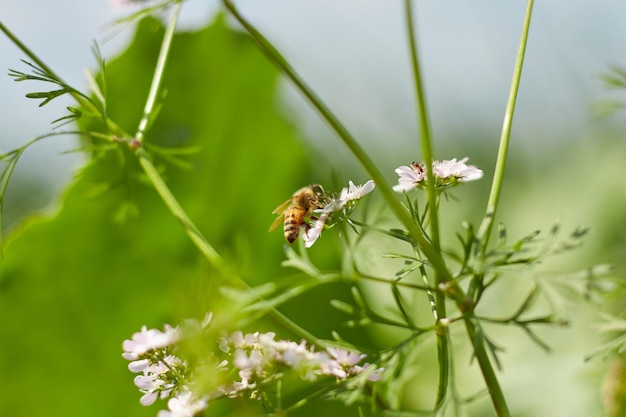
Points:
[170,201]
[496,186]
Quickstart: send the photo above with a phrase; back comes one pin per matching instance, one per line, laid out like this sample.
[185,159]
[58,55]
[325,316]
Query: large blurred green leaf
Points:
[74,285]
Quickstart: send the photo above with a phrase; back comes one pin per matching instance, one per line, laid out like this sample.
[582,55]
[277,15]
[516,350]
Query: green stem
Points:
[424,123]
[427,151]
[170,201]
[158,72]
[489,375]
[496,186]
[385,189]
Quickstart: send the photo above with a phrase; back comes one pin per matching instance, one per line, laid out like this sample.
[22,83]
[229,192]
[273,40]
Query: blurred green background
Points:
[76,280]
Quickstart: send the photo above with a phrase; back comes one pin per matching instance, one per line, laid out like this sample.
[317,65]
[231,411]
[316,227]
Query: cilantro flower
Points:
[410,177]
[184,405]
[311,235]
[162,374]
[446,172]
[354,192]
[258,355]
[348,196]
[456,169]
[148,340]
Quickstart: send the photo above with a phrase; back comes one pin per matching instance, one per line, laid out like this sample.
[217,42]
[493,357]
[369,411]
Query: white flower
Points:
[340,363]
[147,340]
[139,366]
[311,235]
[149,398]
[184,405]
[354,192]
[410,177]
[456,169]
[445,172]
[253,361]
[332,368]
[344,357]
[351,193]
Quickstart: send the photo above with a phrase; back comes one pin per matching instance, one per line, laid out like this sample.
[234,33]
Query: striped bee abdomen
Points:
[293,222]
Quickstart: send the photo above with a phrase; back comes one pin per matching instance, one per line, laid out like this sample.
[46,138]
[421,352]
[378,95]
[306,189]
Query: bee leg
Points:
[307,227]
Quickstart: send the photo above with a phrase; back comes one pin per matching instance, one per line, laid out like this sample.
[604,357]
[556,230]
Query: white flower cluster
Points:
[447,172]
[150,352]
[255,358]
[163,374]
[346,200]
[258,356]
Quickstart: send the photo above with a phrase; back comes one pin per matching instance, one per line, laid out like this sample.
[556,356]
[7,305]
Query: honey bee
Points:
[298,209]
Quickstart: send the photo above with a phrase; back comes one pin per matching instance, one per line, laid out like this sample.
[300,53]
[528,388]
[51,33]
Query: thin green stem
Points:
[157,78]
[496,186]
[170,201]
[489,375]
[439,307]
[484,231]
[385,189]
[423,122]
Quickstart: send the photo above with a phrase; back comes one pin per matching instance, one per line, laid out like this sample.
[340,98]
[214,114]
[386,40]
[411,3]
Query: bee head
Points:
[318,190]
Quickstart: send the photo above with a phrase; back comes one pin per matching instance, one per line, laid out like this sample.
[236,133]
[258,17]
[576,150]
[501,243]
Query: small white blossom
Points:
[341,363]
[374,376]
[354,192]
[147,340]
[348,194]
[149,398]
[139,366]
[344,357]
[311,235]
[184,405]
[410,177]
[332,368]
[456,169]
[445,172]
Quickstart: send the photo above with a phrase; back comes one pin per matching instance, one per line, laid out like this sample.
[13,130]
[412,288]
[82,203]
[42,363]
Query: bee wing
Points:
[280,210]
[279,220]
